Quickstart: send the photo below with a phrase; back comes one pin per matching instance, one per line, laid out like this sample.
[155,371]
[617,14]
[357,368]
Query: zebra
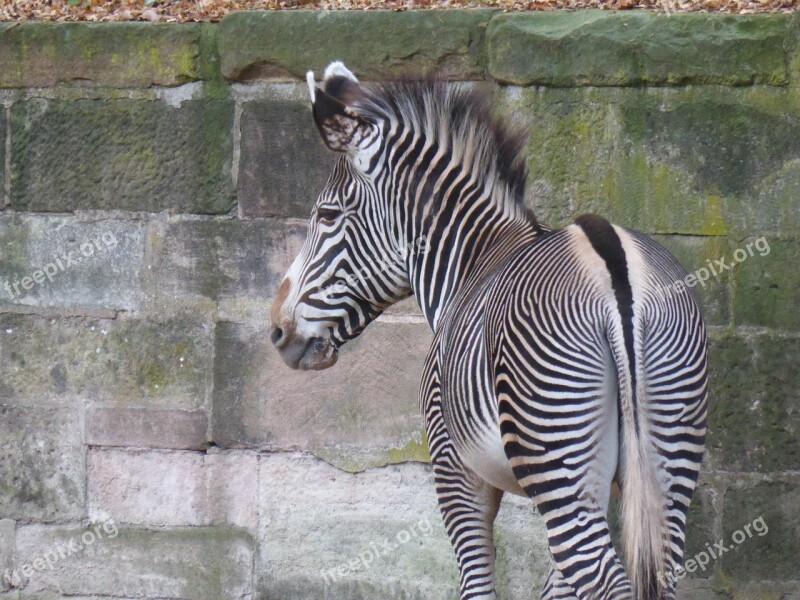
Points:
[563,361]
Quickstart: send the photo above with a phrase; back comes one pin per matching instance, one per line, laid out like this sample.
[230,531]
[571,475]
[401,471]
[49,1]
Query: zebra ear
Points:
[338,122]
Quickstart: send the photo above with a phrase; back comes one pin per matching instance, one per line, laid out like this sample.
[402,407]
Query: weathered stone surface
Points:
[201,563]
[726,144]
[3,126]
[373,44]
[107,54]
[165,363]
[125,154]
[767,284]
[758,555]
[215,259]
[284,164]
[387,516]
[173,489]
[7,543]
[775,208]
[698,255]
[146,428]
[766,590]
[57,596]
[668,161]
[754,421]
[42,471]
[67,262]
[637,47]
[701,589]
[362,412]
[701,529]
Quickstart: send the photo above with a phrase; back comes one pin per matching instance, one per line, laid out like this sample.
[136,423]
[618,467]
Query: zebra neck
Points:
[460,253]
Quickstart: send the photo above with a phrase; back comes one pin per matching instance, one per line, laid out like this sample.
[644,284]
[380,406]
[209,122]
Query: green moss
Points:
[123,154]
[675,161]
[263,44]
[109,54]
[14,262]
[153,375]
[602,48]
[413,451]
[771,552]
[767,285]
[355,460]
[753,423]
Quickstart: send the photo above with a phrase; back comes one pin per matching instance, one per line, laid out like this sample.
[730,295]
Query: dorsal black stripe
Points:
[606,243]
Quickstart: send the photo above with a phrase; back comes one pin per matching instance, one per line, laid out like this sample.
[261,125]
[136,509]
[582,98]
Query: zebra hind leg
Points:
[468,506]
[555,588]
[565,460]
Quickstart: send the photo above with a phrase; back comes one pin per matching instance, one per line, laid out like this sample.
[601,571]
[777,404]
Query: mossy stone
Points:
[373,44]
[757,554]
[122,154]
[42,474]
[602,48]
[767,284]
[123,55]
[753,420]
[164,364]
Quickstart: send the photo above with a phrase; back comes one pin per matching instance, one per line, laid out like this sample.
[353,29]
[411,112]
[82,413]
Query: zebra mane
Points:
[461,117]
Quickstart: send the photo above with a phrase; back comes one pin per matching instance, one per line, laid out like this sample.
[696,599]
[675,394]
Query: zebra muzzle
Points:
[305,354]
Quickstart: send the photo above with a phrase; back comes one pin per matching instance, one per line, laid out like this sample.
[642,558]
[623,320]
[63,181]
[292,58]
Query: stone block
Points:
[216,259]
[144,428]
[65,262]
[173,489]
[767,284]
[165,363]
[668,161]
[727,144]
[762,527]
[374,44]
[375,534]
[754,422]
[602,48]
[362,412]
[42,471]
[183,564]
[126,55]
[125,154]
[284,164]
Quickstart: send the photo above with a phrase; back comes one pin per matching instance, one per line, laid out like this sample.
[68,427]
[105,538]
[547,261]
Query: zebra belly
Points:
[488,460]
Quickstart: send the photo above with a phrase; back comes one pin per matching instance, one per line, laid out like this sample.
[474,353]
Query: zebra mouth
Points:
[312,354]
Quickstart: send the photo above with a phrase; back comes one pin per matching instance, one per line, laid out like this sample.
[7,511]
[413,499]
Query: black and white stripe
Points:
[559,364]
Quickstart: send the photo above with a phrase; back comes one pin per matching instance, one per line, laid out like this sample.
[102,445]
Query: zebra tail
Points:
[643,513]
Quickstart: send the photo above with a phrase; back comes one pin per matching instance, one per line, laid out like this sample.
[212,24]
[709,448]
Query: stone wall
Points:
[155,181]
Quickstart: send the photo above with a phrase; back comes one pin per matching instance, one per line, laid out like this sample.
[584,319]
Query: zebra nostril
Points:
[276,335]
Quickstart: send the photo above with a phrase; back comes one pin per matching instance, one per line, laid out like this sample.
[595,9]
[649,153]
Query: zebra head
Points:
[350,267]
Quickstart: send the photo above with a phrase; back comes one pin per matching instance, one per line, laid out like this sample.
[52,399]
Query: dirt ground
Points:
[214,10]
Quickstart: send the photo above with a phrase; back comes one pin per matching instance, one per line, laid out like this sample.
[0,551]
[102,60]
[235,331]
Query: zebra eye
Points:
[328,213]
